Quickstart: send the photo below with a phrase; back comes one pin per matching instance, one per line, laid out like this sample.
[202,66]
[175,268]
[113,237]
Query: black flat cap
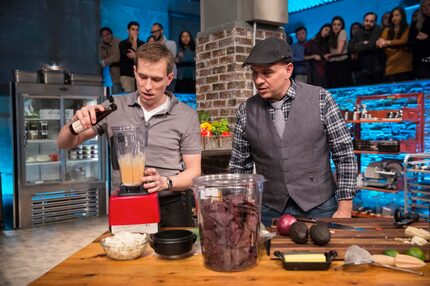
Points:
[269,51]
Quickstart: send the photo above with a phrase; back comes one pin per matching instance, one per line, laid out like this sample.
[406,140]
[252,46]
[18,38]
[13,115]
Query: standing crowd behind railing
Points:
[392,52]
[117,58]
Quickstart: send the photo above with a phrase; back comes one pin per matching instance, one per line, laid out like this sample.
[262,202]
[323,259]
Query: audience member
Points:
[150,39]
[109,57]
[415,15]
[127,49]
[354,28]
[385,20]
[186,62]
[363,47]
[300,72]
[158,35]
[419,41]
[338,73]
[354,64]
[394,40]
[315,49]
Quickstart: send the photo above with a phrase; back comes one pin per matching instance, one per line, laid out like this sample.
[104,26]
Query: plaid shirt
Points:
[338,137]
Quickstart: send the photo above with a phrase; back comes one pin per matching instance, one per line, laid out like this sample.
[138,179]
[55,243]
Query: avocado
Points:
[320,233]
[299,232]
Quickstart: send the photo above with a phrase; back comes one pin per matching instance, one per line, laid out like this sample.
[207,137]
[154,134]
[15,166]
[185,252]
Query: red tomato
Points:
[206,133]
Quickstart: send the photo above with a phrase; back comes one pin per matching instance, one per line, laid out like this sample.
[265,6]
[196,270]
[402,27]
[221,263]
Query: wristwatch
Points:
[169,183]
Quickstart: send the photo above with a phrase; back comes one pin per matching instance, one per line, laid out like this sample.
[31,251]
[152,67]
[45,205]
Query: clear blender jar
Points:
[130,145]
[229,213]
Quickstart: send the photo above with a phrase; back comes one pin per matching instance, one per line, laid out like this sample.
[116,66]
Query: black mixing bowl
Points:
[173,244]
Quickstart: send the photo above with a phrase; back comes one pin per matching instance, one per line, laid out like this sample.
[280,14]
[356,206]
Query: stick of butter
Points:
[305,257]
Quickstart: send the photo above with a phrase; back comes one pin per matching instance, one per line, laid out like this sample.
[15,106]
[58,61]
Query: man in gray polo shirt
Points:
[173,154]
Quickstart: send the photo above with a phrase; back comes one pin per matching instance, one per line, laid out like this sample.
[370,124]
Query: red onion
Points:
[284,224]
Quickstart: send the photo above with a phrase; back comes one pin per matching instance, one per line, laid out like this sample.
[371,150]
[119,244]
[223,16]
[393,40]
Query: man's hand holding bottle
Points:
[88,116]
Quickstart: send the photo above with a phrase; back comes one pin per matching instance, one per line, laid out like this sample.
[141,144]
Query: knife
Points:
[332,224]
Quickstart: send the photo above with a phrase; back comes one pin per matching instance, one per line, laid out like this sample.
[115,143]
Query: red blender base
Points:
[134,213]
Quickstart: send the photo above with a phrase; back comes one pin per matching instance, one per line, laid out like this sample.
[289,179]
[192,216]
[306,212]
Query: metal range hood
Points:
[219,12]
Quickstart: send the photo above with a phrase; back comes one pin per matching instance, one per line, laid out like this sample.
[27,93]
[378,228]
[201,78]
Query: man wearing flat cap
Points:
[290,130]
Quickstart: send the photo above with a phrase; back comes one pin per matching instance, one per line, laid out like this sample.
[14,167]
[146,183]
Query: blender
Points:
[131,207]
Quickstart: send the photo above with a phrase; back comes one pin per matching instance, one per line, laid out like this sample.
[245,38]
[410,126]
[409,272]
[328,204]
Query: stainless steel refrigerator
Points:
[42,184]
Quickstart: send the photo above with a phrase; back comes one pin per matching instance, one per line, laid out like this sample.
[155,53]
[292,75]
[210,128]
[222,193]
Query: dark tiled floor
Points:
[26,254]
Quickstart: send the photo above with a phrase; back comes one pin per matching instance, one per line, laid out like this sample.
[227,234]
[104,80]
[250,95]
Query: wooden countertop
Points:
[90,266]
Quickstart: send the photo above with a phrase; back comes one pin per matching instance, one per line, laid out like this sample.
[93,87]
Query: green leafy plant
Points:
[204,116]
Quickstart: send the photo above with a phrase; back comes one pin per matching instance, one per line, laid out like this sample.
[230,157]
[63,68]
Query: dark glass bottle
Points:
[76,127]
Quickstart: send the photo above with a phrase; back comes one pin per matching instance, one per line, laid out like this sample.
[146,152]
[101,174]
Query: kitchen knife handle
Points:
[306,219]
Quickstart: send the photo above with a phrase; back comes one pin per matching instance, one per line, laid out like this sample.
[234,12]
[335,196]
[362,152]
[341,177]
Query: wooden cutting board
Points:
[379,235]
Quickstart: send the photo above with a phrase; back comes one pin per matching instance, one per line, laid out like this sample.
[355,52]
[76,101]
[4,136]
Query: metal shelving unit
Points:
[417,183]
[414,115]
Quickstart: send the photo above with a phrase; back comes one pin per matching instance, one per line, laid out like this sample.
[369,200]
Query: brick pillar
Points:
[222,83]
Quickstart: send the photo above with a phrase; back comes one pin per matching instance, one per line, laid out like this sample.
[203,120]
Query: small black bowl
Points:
[173,244]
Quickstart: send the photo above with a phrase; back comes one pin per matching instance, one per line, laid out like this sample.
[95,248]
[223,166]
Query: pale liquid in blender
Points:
[132,169]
